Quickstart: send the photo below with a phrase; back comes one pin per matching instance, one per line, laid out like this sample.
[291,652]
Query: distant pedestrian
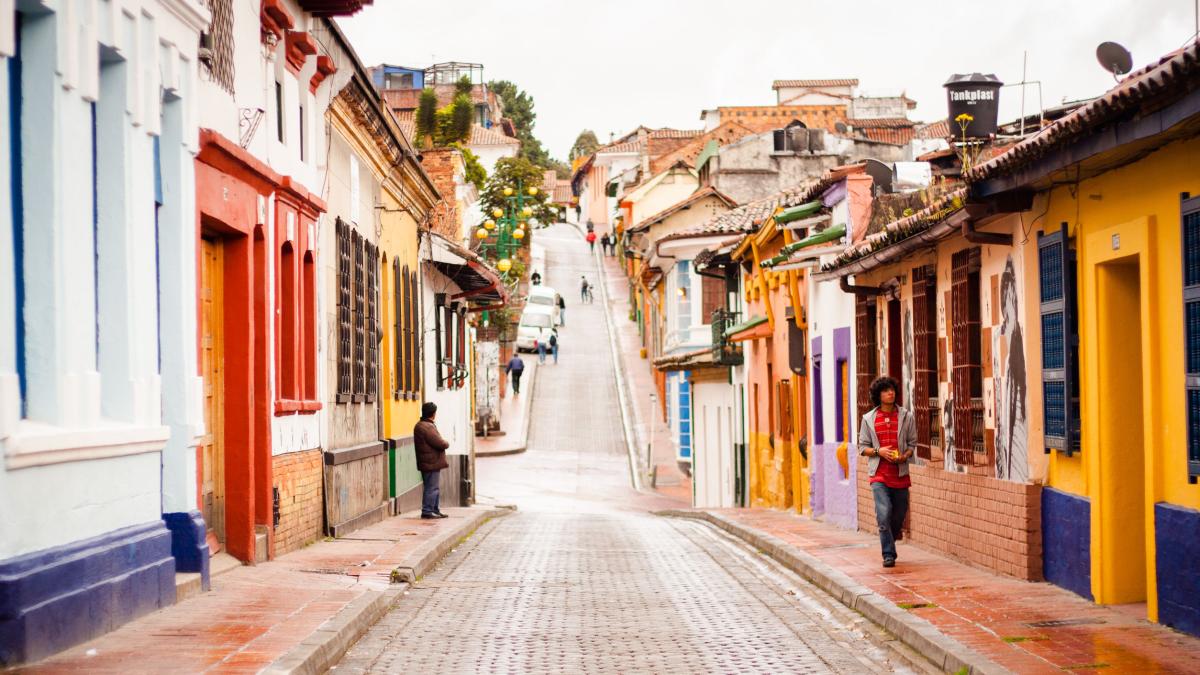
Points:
[514,369]
[583,289]
[604,244]
[562,311]
[431,459]
[541,350]
[590,226]
[591,240]
[887,436]
[554,345]
[535,279]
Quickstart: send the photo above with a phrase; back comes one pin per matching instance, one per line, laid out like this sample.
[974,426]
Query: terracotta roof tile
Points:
[779,84]
[675,133]
[481,135]
[1175,73]
[938,129]
[880,122]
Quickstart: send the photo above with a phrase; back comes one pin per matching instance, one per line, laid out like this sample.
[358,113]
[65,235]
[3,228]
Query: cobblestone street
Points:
[583,579]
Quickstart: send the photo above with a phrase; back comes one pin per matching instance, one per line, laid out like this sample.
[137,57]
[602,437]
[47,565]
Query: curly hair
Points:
[880,385]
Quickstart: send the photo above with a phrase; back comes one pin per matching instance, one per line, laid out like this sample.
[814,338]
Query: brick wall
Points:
[298,476]
[762,118]
[991,523]
[441,164]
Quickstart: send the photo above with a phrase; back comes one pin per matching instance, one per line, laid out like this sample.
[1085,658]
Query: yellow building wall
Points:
[1126,227]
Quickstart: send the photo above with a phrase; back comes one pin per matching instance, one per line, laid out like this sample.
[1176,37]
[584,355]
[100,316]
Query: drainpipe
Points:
[847,287]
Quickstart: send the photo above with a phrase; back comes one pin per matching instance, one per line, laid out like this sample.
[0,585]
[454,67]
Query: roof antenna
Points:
[1114,58]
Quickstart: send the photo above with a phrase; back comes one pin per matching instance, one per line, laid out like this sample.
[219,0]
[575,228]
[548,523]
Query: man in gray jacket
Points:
[887,437]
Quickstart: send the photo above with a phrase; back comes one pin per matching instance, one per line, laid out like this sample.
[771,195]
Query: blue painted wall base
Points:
[189,543]
[56,598]
[1177,548]
[1067,541]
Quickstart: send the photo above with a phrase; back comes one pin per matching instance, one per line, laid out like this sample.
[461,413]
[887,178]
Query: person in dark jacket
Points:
[562,311]
[514,368]
[431,459]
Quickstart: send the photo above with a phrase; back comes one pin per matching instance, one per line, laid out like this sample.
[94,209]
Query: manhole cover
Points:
[1060,623]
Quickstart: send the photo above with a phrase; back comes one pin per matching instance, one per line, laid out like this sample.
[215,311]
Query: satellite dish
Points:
[1114,58]
[841,127]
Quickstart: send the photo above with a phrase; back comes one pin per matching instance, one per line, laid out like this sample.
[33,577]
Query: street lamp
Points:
[507,227]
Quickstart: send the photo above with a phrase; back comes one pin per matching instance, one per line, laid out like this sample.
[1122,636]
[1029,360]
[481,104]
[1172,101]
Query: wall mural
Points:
[1008,359]
[948,431]
[909,363]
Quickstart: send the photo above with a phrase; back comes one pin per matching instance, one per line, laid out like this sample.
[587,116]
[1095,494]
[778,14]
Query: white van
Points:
[543,296]
[536,324]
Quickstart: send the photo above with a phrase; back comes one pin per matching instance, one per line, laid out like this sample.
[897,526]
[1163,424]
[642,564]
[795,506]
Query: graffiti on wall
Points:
[1008,364]
[908,356]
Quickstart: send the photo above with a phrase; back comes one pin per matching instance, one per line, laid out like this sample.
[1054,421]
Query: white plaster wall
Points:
[490,154]
[672,190]
[88,456]
[829,309]
[454,405]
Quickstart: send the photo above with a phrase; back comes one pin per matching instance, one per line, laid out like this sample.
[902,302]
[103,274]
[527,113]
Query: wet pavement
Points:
[583,578]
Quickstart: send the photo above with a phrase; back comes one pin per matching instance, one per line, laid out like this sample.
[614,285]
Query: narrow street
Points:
[583,578]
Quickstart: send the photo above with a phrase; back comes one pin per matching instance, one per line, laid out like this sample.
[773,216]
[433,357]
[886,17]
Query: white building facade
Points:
[99,398]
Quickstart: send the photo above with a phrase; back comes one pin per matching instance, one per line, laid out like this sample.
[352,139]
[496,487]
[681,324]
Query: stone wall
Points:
[298,478]
[987,522]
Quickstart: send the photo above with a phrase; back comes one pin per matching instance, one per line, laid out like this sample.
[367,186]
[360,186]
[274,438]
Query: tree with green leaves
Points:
[475,173]
[518,108]
[518,173]
[585,144]
[427,120]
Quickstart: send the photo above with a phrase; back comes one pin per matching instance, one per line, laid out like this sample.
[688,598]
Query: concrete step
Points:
[187,585]
[222,563]
[261,544]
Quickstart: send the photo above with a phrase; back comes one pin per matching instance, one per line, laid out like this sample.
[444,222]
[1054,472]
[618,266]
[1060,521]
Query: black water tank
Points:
[977,95]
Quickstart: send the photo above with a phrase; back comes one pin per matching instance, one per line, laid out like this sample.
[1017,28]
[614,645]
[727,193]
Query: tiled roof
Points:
[1175,73]
[481,135]
[627,146]
[562,192]
[410,99]
[880,122]
[897,231]
[780,84]
[675,133]
[938,129]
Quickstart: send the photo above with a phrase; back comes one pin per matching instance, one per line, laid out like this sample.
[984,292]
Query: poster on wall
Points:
[487,387]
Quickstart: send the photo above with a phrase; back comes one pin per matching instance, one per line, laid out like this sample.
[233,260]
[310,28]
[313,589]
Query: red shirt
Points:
[887,429]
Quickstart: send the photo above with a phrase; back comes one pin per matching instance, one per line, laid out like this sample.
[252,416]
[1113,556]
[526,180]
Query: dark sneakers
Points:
[889,562]
[439,514]
[430,516]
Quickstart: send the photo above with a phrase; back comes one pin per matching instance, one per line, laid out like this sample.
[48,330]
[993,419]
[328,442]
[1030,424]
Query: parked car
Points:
[536,323]
[543,296]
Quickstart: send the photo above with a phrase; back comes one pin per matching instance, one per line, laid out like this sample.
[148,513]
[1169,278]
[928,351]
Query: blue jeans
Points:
[541,352]
[562,316]
[554,350]
[891,506]
[429,499]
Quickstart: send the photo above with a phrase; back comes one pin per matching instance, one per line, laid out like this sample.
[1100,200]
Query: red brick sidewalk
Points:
[255,615]
[1025,627]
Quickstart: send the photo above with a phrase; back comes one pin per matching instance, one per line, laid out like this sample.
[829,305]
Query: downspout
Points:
[859,290]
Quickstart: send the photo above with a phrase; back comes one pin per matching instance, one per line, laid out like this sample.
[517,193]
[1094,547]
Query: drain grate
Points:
[1060,623]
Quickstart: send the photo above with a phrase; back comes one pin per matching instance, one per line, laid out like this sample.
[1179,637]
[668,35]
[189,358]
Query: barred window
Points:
[399,337]
[969,445]
[438,320]
[371,329]
[219,41]
[345,311]
[925,359]
[866,352]
[360,319]
[414,335]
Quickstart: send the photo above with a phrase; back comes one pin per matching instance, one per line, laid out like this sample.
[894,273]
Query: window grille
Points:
[968,371]
[866,352]
[371,329]
[439,317]
[345,310]
[360,318]
[1190,216]
[925,356]
[220,37]
[414,335]
[1060,377]
[399,340]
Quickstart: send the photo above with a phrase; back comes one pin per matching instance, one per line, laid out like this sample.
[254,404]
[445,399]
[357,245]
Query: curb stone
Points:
[915,632]
[532,386]
[324,646]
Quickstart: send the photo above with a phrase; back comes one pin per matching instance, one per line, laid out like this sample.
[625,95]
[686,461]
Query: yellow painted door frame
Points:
[1119,352]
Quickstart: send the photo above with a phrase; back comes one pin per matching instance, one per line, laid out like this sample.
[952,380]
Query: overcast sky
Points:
[611,65]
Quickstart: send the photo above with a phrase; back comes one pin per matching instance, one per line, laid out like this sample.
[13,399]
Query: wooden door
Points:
[212,455]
